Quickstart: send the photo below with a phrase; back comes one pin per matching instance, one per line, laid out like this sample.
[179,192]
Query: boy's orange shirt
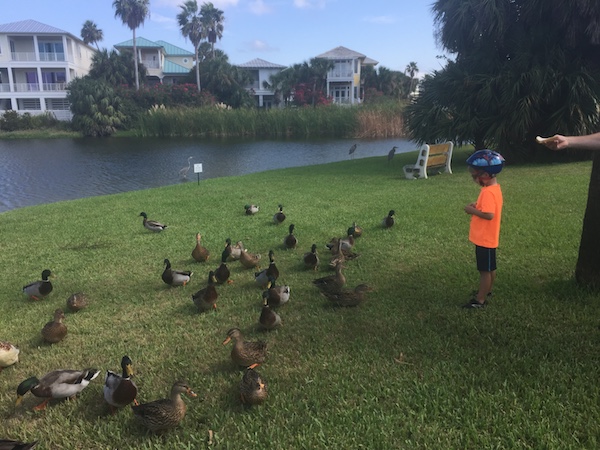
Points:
[486,233]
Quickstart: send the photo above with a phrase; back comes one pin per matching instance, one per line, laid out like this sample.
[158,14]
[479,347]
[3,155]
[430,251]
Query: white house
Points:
[37,61]
[261,72]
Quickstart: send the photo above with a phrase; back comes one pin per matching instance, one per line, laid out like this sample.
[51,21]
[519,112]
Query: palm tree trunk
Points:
[135,64]
[587,271]
[197,69]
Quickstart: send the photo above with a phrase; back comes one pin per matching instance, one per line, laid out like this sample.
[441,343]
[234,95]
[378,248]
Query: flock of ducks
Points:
[120,390]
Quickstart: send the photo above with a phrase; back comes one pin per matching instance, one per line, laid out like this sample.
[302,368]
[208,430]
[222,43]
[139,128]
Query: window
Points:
[51,51]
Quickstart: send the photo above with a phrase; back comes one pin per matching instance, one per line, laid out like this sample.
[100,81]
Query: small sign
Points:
[198,168]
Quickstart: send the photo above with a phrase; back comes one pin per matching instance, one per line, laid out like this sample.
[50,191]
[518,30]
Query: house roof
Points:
[173,50]
[258,63]
[341,53]
[171,67]
[30,27]
[370,62]
[169,49]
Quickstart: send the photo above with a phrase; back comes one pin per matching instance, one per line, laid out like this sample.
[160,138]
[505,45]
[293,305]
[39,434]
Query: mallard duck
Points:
[175,277]
[263,277]
[347,297]
[246,353]
[279,216]
[341,256]
[200,253]
[120,390]
[290,241]
[276,295]
[234,251]
[76,302]
[251,209]
[311,259]
[388,221]
[165,413]
[152,225]
[358,231]
[9,444]
[331,282]
[39,289]
[222,272]
[253,388]
[342,243]
[9,354]
[206,298]
[55,330]
[249,260]
[269,319]
[56,384]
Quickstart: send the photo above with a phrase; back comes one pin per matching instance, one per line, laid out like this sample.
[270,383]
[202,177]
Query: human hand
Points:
[556,142]
[470,208]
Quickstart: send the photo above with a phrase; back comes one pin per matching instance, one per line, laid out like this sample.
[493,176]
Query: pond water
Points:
[50,170]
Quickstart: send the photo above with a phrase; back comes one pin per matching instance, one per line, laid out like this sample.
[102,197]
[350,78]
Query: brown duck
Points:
[348,297]
[290,241]
[206,298]
[311,259]
[249,260]
[331,282]
[246,353]
[268,319]
[55,330]
[253,388]
[76,302]
[200,253]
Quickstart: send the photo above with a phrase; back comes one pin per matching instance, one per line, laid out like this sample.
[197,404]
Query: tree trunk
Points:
[587,271]
[197,69]
[135,64]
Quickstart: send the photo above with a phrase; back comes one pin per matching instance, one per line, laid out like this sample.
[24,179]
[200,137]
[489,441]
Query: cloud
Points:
[310,4]
[164,21]
[384,20]
[259,46]
[259,7]
[176,3]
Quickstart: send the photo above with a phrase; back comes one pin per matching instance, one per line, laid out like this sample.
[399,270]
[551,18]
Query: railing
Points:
[30,56]
[347,74]
[4,87]
[34,87]
[52,57]
[150,64]
[54,86]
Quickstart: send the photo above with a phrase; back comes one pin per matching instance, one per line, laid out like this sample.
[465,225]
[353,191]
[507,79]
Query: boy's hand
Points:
[470,208]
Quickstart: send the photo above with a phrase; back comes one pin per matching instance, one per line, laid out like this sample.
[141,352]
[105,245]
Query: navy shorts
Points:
[486,258]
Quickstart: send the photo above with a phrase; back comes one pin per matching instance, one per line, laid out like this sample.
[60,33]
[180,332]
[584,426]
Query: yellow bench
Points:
[433,158]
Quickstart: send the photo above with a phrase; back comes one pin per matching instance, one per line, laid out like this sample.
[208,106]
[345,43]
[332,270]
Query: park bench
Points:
[434,158]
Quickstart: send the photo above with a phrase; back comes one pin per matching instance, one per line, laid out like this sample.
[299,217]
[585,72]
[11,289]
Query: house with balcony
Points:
[165,63]
[261,72]
[37,61]
[344,80]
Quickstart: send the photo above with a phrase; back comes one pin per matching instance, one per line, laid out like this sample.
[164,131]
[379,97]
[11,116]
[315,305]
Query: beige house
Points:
[37,61]
[261,72]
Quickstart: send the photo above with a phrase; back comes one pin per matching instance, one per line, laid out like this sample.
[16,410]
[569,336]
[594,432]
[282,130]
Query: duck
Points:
[120,390]
[39,289]
[253,388]
[290,241]
[358,231]
[269,319]
[10,444]
[55,330]
[175,277]
[9,354]
[200,253]
[222,272]
[77,301]
[60,383]
[311,258]
[234,251]
[343,243]
[246,353]
[165,413]
[388,221]
[206,298]
[251,209]
[249,260]
[338,255]
[263,277]
[152,225]
[348,297]
[276,295]
[331,282]
[279,216]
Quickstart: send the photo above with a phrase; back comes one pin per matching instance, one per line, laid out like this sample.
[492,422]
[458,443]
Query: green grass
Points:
[407,369]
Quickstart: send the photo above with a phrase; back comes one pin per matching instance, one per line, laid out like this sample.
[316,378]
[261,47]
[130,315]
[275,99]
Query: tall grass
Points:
[407,369]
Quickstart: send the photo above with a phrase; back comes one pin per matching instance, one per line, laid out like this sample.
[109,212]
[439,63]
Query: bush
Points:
[10,121]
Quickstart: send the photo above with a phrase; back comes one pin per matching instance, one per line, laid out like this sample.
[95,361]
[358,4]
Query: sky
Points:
[286,32]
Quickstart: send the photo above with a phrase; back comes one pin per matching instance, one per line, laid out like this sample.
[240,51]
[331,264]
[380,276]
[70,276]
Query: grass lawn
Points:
[407,369]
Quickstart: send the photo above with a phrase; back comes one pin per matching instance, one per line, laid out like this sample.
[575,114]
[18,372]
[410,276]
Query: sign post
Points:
[198,170]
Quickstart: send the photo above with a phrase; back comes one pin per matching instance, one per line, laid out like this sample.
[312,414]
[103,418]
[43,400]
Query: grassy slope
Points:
[407,369]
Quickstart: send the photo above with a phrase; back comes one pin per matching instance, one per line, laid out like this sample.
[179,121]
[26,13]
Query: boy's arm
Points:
[471,209]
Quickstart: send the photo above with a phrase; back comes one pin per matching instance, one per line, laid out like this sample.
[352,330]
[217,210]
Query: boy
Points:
[486,214]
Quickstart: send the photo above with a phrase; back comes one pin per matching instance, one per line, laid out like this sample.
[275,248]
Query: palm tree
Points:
[190,22]
[91,34]
[133,13]
[212,19]
[411,69]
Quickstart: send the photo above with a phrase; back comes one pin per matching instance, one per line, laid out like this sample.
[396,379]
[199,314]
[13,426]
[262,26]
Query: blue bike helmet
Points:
[487,161]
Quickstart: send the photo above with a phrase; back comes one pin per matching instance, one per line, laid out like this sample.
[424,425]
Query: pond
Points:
[36,171]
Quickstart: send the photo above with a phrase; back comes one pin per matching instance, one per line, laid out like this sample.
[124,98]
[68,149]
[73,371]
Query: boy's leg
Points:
[486,281]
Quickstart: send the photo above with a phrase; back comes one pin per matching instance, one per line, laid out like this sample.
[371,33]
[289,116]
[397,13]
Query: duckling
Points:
[279,216]
[222,272]
[206,298]
[246,353]
[290,241]
[251,209]
[388,221]
[276,295]
[268,319]
[263,277]
[152,225]
[61,383]
[120,390]
[9,354]
[235,251]
[76,302]
[331,282]
[165,413]
[249,260]
[39,289]
[55,330]
[358,231]
[200,253]
[311,259]
[174,277]
[9,444]
[347,297]
[253,388]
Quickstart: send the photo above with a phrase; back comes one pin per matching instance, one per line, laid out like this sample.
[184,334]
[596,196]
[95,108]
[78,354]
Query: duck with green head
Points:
[279,216]
[152,225]
[311,259]
[268,319]
[174,277]
[41,288]
[120,390]
[222,273]
[263,277]
[251,209]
